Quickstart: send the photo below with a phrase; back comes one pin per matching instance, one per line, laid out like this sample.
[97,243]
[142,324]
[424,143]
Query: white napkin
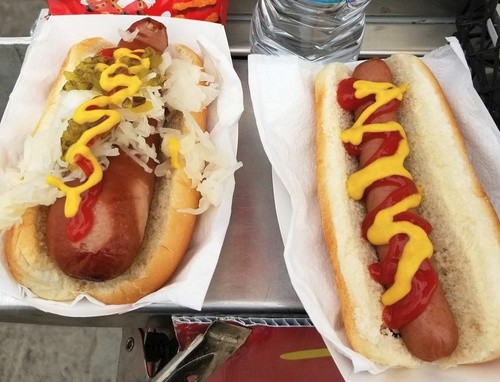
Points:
[481,135]
[52,39]
[282,91]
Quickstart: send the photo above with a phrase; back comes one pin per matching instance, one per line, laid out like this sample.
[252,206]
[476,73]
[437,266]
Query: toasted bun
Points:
[167,235]
[466,230]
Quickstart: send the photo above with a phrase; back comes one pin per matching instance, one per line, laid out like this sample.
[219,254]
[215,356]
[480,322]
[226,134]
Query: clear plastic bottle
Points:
[318,30]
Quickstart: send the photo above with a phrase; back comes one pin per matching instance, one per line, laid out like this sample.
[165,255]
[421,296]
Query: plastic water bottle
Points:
[317,30]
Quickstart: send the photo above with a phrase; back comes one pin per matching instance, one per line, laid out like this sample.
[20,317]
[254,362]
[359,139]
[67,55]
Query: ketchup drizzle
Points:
[108,54]
[80,225]
[425,281]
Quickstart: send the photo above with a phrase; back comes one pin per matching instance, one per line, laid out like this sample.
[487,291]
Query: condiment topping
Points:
[121,81]
[79,225]
[174,147]
[404,270]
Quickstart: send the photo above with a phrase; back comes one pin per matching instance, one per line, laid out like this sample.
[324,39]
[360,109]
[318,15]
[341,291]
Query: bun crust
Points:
[167,235]
[466,230]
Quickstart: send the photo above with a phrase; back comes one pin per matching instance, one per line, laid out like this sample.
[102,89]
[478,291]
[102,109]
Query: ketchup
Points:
[81,198]
[423,285]
[108,54]
[425,281]
[80,225]
[348,101]
[387,148]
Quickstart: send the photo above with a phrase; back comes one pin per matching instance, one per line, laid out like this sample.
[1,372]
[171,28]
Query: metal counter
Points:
[251,277]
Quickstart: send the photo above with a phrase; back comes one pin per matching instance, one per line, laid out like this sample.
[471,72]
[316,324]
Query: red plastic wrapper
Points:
[206,10]
[270,353]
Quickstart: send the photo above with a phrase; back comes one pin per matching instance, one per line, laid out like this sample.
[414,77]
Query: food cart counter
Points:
[251,279]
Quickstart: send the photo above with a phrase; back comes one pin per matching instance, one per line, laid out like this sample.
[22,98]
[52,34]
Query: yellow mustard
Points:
[119,76]
[419,246]
[174,147]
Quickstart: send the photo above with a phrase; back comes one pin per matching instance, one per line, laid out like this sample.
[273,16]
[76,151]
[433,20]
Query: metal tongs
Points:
[148,356]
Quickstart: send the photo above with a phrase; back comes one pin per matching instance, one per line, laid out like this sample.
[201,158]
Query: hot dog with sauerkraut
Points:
[130,168]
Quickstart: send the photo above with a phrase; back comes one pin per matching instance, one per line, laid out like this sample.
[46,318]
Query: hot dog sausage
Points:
[121,208]
[433,334]
[150,33]
[120,215]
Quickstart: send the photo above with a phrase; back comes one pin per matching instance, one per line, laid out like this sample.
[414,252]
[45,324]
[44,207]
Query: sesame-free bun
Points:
[466,230]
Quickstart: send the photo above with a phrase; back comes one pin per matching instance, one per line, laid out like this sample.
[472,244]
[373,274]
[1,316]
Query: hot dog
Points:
[119,214]
[121,199]
[427,342]
[393,196]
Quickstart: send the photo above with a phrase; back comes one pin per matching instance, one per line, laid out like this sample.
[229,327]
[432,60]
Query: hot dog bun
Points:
[466,229]
[168,231]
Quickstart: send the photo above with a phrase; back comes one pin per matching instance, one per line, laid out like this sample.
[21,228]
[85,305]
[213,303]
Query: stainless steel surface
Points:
[384,39]
[11,60]
[251,277]
[422,9]
[394,8]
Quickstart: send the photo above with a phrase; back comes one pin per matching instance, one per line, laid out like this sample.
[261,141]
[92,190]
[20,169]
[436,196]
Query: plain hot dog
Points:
[394,118]
[432,334]
[111,210]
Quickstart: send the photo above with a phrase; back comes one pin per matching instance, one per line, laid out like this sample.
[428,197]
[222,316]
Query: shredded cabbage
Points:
[205,165]
[128,36]
[188,87]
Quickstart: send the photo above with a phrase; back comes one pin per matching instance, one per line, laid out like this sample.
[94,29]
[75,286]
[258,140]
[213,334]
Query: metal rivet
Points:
[130,344]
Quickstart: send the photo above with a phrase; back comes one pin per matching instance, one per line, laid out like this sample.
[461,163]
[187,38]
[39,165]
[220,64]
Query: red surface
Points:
[199,11]
[260,357]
